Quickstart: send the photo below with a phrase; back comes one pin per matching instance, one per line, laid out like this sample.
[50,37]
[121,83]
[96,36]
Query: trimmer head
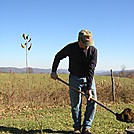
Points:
[126,116]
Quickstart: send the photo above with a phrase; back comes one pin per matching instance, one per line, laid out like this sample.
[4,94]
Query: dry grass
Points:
[48,100]
[124,89]
[45,92]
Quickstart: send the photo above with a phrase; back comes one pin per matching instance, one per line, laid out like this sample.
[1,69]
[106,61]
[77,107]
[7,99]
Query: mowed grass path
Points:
[58,120]
[49,110]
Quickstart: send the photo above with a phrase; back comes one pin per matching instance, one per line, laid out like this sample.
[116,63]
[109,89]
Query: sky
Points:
[52,24]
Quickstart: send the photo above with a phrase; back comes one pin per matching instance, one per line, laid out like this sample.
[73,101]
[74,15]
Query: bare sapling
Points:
[28,45]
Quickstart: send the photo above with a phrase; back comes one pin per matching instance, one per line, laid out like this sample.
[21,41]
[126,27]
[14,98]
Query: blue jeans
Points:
[76,102]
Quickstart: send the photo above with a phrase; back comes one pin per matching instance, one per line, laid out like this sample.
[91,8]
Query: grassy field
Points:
[44,105]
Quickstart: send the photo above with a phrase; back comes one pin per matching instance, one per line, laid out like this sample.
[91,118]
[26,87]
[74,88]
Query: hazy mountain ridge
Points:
[48,71]
[34,70]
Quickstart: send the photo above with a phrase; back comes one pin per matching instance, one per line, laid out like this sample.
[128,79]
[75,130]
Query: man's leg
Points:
[75,98]
[90,109]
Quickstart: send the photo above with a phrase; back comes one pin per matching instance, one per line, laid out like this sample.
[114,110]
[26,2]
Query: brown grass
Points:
[45,92]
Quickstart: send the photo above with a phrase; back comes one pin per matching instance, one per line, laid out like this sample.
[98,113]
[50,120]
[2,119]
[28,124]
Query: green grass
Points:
[51,104]
[58,120]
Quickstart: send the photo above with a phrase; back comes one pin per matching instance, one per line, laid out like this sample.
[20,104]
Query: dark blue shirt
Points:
[79,64]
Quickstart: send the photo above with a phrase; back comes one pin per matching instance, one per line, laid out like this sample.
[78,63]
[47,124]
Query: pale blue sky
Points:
[52,24]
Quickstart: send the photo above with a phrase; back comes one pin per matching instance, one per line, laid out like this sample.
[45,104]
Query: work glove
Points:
[89,94]
[54,75]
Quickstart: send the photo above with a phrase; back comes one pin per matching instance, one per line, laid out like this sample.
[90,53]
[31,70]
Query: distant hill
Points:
[61,71]
[122,73]
[33,70]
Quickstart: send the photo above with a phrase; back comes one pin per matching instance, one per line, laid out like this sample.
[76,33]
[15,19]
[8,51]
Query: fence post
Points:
[113,86]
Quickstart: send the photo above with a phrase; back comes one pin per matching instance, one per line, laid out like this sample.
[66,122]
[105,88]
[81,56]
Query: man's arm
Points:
[92,65]
[91,68]
[59,56]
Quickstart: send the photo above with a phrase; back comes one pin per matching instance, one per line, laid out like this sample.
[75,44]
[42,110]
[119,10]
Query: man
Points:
[82,62]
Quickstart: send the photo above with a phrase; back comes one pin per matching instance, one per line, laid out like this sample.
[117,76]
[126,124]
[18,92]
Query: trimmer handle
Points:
[99,103]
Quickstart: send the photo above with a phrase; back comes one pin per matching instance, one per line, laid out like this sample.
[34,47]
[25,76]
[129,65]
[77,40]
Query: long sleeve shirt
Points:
[80,65]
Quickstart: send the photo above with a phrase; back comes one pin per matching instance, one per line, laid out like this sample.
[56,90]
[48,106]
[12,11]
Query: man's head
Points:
[85,37]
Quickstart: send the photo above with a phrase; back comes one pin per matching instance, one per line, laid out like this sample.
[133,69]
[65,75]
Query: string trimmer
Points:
[125,116]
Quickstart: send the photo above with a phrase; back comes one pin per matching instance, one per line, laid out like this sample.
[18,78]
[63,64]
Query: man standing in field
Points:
[82,62]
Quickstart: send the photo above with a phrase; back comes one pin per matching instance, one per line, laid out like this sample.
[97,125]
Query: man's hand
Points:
[54,75]
[89,94]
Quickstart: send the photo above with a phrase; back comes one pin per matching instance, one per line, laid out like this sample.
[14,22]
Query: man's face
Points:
[81,44]
[86,39]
